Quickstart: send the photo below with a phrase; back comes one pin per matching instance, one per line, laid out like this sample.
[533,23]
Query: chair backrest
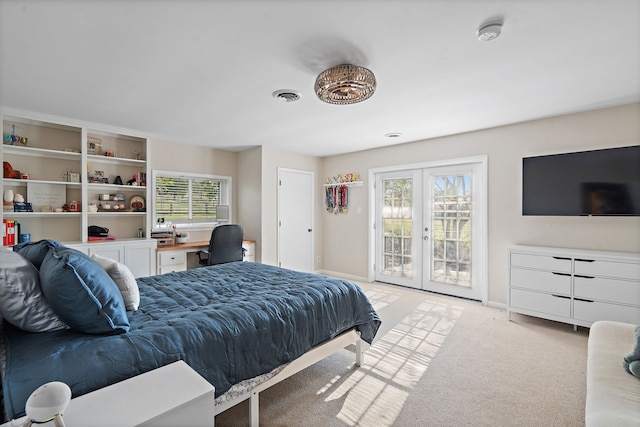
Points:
[225,244]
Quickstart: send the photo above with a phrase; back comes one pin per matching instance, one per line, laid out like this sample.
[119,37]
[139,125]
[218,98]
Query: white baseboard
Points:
[499,305]
[342,275]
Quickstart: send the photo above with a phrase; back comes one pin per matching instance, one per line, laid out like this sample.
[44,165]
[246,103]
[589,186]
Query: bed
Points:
[243,326]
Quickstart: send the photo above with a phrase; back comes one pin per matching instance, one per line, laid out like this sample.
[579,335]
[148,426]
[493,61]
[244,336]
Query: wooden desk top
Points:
[196,244]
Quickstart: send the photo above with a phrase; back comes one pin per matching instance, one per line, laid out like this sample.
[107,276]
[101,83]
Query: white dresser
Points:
[574,286]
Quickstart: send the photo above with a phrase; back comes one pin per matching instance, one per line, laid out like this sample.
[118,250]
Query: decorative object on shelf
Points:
[137,204]
[94,145]
[18,198]
[8,195]
[337,192]
[345,84]
[13,138]
[9,172]
[49,195]
[118,180]
[74,206]
[22,207]
[24,175]
[92,207]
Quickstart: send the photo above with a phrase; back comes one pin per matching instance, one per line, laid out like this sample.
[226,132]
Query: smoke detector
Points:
[489,32]
[286,95]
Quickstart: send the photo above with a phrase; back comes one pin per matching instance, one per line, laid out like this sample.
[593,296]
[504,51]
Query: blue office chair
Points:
[225,245]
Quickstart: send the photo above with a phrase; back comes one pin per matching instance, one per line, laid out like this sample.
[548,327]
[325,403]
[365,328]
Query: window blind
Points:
[188,199]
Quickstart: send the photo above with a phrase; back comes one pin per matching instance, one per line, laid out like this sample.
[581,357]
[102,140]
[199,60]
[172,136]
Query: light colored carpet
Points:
[438,361]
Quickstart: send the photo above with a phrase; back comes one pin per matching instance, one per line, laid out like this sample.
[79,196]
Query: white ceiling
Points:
[202,72]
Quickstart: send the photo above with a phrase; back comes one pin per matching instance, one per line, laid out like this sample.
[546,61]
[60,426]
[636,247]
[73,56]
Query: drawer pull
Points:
[585,277]
[561,296]
[585,260]
[561,257]
[561,274]
[583,300]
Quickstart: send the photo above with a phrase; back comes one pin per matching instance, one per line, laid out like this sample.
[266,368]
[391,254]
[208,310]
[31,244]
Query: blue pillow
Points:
[36,251]
[81,292]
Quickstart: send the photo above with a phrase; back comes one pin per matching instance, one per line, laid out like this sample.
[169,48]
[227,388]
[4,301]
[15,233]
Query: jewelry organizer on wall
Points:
[337,192]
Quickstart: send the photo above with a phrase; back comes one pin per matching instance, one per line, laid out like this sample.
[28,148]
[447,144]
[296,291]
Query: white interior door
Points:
[295,219]
[429,229]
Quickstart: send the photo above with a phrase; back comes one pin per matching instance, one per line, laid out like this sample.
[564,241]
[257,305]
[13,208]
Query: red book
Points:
[11,232]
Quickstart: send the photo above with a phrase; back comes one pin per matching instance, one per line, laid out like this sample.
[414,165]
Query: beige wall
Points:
[273,159]
[168,156]
[346,238]
[250,196]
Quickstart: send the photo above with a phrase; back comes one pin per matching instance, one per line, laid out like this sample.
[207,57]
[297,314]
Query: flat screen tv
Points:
[597,182]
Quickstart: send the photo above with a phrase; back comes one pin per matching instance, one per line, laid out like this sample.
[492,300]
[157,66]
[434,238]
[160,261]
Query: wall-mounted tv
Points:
[597,182]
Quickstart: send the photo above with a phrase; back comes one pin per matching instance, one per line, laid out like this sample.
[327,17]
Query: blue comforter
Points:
[229,322]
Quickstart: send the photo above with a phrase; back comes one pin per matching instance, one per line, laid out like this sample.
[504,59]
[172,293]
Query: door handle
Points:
[425,230]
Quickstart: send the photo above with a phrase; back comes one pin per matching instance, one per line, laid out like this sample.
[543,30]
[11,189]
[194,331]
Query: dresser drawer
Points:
[593,311]
[540,302]
[172,257]
[541,280]
[542,262]
[598,288]
[622,270]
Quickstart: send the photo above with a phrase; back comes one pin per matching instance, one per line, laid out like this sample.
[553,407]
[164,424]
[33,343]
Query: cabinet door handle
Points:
[584,277]
[585,260]
[583,300]
[561,257]
[560,274]
[561,296]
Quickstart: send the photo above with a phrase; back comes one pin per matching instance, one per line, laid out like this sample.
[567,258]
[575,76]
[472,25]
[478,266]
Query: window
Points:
[185,198]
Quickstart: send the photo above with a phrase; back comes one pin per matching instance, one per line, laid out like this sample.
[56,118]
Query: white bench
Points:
[613,395]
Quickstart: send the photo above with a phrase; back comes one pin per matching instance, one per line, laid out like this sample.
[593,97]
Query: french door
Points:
[429,229]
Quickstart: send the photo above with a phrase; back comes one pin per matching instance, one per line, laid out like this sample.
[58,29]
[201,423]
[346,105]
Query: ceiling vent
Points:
[286,95]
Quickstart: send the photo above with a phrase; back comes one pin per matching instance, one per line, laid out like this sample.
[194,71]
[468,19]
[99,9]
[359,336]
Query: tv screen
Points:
[598,182]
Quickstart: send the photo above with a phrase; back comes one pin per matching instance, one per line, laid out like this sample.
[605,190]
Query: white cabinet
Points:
[65,167]
[574,286]
[170,261]
[138,255]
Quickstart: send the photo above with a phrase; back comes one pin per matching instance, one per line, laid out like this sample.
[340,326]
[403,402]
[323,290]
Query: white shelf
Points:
[93,158]
[345,184]
[41,152]
[41,214]
[116,213]
[8,182]
[115,187]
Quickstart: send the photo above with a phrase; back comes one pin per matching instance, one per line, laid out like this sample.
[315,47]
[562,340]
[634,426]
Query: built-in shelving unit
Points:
[58,160]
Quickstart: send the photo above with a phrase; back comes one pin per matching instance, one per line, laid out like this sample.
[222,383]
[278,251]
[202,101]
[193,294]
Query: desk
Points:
[174,257]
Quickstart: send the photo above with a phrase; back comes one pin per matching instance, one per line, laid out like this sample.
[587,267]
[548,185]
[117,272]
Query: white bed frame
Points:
[348,340]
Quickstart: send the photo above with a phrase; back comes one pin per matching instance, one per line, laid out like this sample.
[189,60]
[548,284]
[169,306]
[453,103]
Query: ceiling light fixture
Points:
[345,84]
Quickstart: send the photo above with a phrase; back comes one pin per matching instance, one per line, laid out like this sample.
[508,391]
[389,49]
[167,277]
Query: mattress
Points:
[230,323]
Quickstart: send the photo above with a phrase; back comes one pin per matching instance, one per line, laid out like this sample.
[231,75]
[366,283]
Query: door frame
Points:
[311,174]
[484,247]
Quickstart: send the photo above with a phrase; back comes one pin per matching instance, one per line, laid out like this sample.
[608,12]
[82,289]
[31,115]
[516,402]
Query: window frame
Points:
[225,198]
